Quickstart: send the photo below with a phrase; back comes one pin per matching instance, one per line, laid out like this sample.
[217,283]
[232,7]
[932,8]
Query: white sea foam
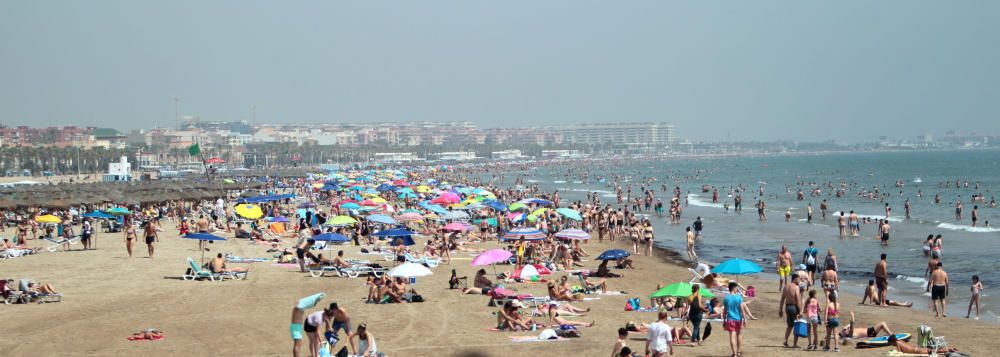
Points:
[959,227]
[912,279]
[696,200]
[558,181]
[532,181]
[917,180]
[836,214]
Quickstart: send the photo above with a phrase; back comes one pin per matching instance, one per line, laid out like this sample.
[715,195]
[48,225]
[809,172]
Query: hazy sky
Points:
[755,70]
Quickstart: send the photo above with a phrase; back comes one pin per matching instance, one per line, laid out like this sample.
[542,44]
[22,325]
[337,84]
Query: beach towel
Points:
[534,339]
[612,293]
[881,341]
[896,353]
[154,338]
[646,309]
[278,228]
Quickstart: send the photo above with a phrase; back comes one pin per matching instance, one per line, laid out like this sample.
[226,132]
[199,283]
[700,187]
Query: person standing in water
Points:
[977,288]
[938,287]
[692,256]
[975,215]
[881,280]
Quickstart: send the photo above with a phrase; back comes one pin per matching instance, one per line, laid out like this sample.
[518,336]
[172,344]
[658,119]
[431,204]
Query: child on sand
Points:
[977,288]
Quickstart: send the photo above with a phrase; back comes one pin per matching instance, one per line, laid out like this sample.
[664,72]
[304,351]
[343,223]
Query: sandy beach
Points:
[108,297]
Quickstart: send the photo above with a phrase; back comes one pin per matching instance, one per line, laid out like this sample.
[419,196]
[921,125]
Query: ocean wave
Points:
[960,227]
[558,181]
[869,216]
[573,189]
[695,200]
[912,279]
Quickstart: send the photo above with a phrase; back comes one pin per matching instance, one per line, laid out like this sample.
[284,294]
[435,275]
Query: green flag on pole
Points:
[194,150]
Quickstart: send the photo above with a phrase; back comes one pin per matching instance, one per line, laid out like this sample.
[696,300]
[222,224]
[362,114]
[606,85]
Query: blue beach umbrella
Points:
[97,214]
[331,237]
[395,232]
[612,254]
[381,218]
[203,237]
[737,267]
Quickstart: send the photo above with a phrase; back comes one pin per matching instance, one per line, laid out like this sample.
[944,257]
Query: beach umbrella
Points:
[528,233]
[612,254]
[350,205]
[491,257]
[537,201]
[48,219]
[97,214]
[737,267]
[204,237]
[410,270]
[455,226]
[330,237]
[119,211]
[410,217]
[454,215]
[497,205]
[517,206]
[341,221]
[395,232]
[527,272]
[573,233]
[249,211]
[381,218]
[680,290]
[570,213]
[402,240]
[279,219]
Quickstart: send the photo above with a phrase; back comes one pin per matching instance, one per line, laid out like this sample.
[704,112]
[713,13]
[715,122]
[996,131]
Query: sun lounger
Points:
[55,243]
[14,297]
[429,262]
[43,298]
[199,273]
[353,271]
[695,277]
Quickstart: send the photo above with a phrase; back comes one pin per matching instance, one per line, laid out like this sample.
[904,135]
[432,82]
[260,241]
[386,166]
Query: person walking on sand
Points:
[692,256]
[790,306]
[881,280]
[734,310]
[152,227]
[659,341]
[784,261]
[130,236]
[977,289]
[938,287]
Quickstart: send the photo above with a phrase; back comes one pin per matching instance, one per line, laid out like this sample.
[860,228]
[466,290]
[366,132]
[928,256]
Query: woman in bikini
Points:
[130,236]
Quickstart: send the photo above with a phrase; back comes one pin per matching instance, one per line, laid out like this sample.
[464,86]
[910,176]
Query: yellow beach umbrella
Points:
[48,219]
[341,221]
[249,211]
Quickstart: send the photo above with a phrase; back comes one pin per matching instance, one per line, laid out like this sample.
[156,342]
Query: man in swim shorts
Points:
[938,286]
[784,266]
[881,281]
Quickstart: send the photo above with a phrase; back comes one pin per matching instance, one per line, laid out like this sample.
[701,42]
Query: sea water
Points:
[967,250]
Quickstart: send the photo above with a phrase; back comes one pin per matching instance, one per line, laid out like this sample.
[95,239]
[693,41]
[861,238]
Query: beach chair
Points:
[429,262]
[14,297]
[199,273]
[320,270]
[696,278]
[583,284]
[43,298]
[55,243]
[926,338]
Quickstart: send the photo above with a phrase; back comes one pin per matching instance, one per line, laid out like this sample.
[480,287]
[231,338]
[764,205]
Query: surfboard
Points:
[881,341]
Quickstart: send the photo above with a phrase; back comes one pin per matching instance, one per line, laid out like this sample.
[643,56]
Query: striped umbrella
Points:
[573,233]
[526,232]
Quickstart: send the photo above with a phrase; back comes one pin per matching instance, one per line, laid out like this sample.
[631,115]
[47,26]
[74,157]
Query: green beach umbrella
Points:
[516,206]
[679,290]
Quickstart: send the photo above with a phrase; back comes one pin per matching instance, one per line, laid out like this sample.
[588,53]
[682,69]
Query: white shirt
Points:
[659,336]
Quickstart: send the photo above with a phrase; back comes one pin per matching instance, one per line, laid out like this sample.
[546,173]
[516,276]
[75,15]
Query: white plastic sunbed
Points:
[55,243]
[199,273]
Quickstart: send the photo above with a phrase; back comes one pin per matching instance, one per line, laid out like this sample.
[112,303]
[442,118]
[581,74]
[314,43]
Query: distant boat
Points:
[917,180]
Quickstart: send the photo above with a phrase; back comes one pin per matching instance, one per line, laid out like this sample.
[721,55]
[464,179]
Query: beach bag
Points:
[343,352]
[707,332]
[635,303]
[628,305]
[801,328]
